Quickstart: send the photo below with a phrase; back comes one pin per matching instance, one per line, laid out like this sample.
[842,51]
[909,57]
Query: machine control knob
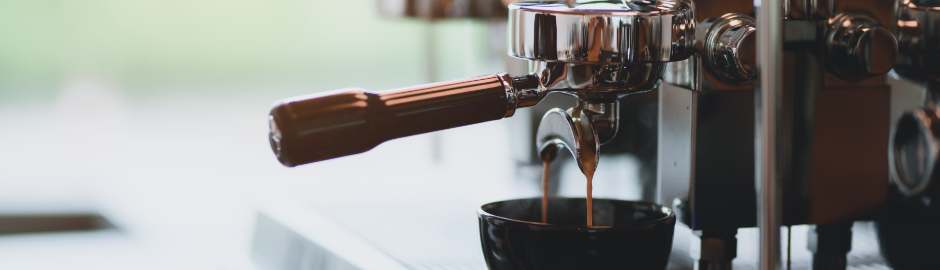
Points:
[602,32]
[919,37]
[858,47]
[729,47]
[914,152]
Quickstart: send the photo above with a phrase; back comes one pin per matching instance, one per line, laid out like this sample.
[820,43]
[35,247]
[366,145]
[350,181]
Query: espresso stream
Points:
[589,197]
[545,171]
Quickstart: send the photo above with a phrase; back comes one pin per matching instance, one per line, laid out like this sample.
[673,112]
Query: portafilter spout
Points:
[580,130]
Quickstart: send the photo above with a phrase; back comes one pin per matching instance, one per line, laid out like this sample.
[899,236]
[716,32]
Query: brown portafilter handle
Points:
[315,128]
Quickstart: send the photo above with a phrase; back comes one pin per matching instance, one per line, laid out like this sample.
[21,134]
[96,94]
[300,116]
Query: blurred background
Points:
[136,129]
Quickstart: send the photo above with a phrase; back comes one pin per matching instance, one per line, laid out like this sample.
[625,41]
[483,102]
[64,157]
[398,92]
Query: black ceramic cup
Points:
[627,235]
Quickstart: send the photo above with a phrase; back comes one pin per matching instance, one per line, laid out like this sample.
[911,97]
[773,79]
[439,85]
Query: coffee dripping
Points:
[835,111]
[598,52]
[574,131]
[548,153]
[599,68]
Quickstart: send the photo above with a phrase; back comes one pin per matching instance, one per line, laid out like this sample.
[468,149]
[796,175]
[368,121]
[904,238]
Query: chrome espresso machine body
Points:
[835,123]
[678,84]
[836,117]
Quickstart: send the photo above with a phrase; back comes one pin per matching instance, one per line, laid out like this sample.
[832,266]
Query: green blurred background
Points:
[153,114]
[148,47]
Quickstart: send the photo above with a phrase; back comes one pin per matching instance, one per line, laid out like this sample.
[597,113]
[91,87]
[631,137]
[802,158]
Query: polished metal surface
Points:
[808,9]
[601,32]
[444,9]
[858,47]
[918,29]
[605,117]
[729,47]
[752,116]
[708,123]
[580,130]
[768,144]
[570,131]
[915,149]
[677,125]
[601,49]
[646,34]
[914,143]
[598,82]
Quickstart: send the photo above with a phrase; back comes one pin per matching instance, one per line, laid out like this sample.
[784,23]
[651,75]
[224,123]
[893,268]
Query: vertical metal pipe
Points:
[770,102]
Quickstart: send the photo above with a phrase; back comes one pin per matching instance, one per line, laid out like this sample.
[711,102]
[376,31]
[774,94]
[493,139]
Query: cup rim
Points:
[670,215]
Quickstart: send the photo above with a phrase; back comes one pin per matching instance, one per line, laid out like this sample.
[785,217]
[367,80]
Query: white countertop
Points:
[183,177]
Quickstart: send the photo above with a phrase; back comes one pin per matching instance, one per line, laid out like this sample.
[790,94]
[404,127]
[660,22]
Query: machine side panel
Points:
[675,143]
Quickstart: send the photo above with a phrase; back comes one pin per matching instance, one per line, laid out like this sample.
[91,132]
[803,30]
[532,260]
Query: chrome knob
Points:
[858,47]
[919,37]
[914,151]
[729,47]
[444,9]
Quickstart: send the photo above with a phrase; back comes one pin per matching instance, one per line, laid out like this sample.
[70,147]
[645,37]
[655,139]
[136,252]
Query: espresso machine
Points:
[780,113]
[835,114]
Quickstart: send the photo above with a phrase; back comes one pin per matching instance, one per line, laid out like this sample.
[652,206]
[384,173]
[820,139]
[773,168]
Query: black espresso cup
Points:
[625,235]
